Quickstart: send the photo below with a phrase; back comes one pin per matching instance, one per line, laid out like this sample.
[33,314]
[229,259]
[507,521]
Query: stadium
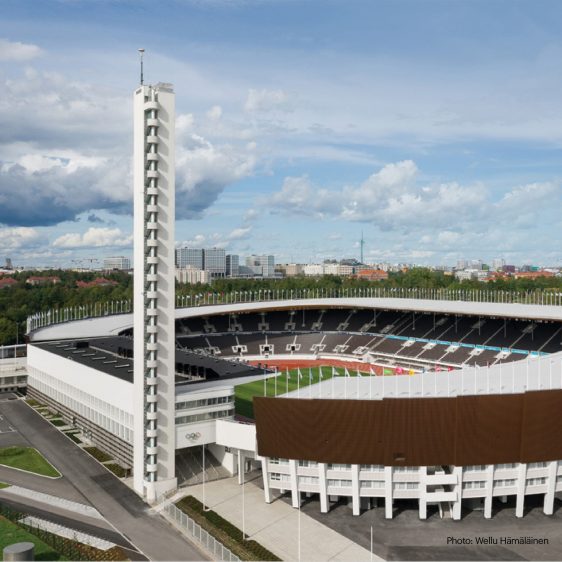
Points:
[445,402]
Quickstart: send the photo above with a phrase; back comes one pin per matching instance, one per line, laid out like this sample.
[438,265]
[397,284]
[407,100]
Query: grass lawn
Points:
[4,485]
[26,458]
[274,386]
[58,422]
[10,533]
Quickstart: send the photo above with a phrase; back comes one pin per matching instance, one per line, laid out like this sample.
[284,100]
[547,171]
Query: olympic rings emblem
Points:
[193,436]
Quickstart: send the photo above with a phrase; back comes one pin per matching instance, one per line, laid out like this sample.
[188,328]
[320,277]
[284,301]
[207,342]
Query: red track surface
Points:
[300,363]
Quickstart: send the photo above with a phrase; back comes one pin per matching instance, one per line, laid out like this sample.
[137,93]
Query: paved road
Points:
[149,532]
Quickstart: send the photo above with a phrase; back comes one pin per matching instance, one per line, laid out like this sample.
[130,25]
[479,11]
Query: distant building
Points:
[461,264]
[341,269]
[232,265]
[533,274]
[117,262]
[189,257]
[475,274]
[99,282]
[290,269]
[35,281]
[261,266]
[7,282]
[372,274]
[8,264]
[498,264]
[191,275]
[313,269]
[214,261]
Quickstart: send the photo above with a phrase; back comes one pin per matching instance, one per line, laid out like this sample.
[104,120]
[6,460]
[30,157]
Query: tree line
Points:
[21,300]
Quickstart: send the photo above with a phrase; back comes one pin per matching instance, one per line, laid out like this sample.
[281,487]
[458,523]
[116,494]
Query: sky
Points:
[432,128]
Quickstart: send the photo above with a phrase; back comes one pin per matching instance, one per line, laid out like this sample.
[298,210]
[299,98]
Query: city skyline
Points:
[439,139]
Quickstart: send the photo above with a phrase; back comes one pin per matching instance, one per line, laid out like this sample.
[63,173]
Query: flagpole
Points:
[371,543]
[299,526]
[320,380]
[287,380]
[243,501]
[204,506]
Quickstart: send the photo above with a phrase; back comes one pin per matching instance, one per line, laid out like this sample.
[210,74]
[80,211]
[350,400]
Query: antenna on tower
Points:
[141,52]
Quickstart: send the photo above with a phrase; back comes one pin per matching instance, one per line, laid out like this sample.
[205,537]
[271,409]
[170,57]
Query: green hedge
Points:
[98,454]
[253,550]
[58,422]
[117,469]
[73,437]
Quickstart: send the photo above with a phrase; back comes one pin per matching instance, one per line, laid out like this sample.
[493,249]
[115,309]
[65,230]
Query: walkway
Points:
[275,526]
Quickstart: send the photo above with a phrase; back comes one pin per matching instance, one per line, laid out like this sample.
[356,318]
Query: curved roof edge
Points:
[111,325]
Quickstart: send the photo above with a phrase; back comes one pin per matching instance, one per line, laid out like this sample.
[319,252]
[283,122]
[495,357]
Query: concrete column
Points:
[422,501]
[457,505]
[323,487]
[265,476]
[489,491]
[548,507]
[521,482]
[355,489]
[295,496]
[388,492]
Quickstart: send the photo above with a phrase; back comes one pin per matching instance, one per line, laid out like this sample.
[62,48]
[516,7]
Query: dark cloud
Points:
[52,196]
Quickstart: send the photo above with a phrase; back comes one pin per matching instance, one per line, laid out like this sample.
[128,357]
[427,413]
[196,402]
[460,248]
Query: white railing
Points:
[96,310]
[199,535]
[13,351]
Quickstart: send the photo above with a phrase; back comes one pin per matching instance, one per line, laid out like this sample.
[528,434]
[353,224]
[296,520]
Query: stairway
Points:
[189,467]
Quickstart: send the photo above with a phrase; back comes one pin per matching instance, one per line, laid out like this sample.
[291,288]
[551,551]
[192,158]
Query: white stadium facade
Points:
[479,410]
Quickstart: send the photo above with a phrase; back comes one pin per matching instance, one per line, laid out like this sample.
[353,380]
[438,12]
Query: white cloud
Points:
[215,113]
[94,238]
[19,237]
[204,169]
[267,100]
[18,52]
[392,199]
[242,233]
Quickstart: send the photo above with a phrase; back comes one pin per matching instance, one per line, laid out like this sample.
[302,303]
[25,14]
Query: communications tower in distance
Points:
[362,244]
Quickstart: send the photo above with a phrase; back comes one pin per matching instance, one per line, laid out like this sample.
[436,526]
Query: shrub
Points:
[117,469]
[99,455]
[73,437]
[254,550]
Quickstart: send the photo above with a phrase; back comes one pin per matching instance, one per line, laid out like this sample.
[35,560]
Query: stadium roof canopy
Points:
[112,325]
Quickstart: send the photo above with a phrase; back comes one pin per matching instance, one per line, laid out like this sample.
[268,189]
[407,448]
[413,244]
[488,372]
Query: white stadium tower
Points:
[154,289]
